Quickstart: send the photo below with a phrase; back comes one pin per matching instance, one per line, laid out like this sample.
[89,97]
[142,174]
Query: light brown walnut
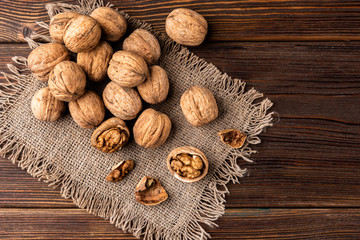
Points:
[186,27]
[124,103]
[152,128]
[113,24]
[143,43]
[88,111]
[96,61]
[81,34]
[58,24]
[67,81]
[120,170]
[127,69]
[44,58]
[156,87]
[199,106]
[45,107]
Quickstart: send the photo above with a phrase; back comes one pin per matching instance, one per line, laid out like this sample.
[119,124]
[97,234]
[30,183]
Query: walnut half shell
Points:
[119,171]
[111,135]
[232,137]
[150,192]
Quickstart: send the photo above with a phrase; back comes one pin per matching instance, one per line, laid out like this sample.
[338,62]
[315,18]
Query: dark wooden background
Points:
[305,183]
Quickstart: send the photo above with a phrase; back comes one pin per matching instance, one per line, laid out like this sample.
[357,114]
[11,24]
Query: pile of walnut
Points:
[134,66]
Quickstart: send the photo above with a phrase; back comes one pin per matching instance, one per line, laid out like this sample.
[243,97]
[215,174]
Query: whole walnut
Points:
[152,128]
[96,61]
[127,69]
[156,87]
[186,27]
[199,106]
[113,24]
[81,34]
[88,111]
[45,107]
[58,23]
[67,81]
[143,43]
[124,103]
[45,57]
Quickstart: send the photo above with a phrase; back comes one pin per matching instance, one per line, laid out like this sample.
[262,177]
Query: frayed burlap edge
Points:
[211,206]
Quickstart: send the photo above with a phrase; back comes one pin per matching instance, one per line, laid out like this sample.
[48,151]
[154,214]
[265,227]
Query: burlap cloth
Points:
[61,154]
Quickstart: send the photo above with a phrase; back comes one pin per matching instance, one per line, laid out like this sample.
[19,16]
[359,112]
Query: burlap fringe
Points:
[211,206]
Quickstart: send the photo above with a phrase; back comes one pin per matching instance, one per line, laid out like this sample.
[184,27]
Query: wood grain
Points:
[309,159]
[249,20]
[235,224]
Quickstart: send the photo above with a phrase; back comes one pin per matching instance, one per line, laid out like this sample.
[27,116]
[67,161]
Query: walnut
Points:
[45,107]
[113,24]
[150,192]
[124,103]
[119,171]
[67,81]
[143,43]
[127,69]
[88,111]
[187,164]
[199,106]
[186,27]
[156,87]
[111,135]
[58,23]
[151,129]
[45,57]
[96,61]
[81,34]
[232,137]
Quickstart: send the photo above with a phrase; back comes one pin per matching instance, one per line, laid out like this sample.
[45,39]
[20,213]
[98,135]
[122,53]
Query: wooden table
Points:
[305,183]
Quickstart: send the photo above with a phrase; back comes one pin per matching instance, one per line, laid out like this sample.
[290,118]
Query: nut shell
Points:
[156,87]
[199,106]
[113,24]
[88,111]
[233,137]
[96,61]
[150,192]
[152,128]
[81,34]
[67,81]
[192,151]
[58,24]
[186,27]
[111,135]
[143,43]
[124,103]
[45,57]
[127,69]
[45,107]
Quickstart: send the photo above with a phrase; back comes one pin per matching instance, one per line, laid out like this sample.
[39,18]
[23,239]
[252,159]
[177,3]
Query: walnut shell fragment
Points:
[111,135]
[81,34]
[88,111]
[150,192]
[152,128]
[46,107]
[187,163]
[96,61]
[143,43]
[199,106]
[119,171]
[44,58]
[127,69]
[58,24]
[186,27]
[232,137]
[113,24]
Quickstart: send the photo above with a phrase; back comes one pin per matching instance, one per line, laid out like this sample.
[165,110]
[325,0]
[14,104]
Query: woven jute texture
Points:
[60,153]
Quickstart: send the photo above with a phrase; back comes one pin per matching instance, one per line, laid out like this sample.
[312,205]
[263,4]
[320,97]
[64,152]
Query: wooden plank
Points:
[293,20]
[310,158]
[235,224]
